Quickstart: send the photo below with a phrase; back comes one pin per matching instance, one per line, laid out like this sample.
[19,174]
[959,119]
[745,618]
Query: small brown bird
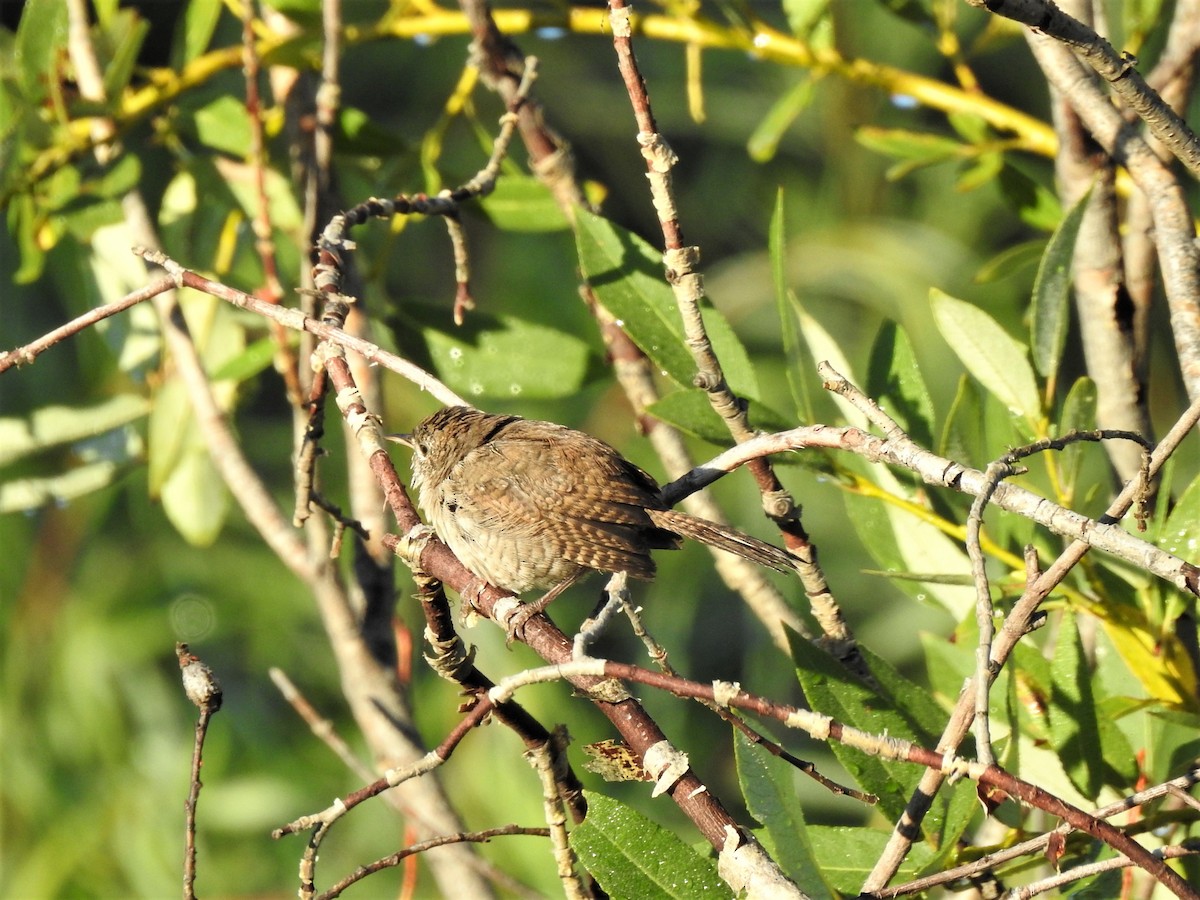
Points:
[527,504]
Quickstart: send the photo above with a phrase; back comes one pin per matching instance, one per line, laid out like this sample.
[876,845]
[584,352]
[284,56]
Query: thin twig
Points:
[26,354]
[204,690]
[1039,843]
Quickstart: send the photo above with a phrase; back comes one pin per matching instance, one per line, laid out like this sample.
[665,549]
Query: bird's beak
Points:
[405,439]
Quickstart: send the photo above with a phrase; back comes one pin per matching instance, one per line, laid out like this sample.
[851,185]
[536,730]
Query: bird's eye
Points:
[422,448]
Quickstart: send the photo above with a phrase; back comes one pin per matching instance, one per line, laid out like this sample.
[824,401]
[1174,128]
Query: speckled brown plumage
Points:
[527,504]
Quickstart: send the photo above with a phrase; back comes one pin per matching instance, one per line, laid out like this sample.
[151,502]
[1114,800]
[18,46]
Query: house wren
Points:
[527,504]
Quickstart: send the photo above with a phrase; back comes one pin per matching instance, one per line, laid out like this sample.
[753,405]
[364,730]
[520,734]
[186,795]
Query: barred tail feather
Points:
[722,537]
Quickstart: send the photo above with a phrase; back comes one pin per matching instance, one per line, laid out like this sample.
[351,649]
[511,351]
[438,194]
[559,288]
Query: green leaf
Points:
[134,338]
[507,357]
[522,203]
[896,708]
[951,813]
[1078,414]
[917,149]
[51,426]
[806,16]
[630,856]
[764,140]
[801,368]
[41,36]
[224,125]
[895,382]
[900,543]
[970,126]
[14,113]
[826,348]
[1074,732]
[627,277]
[963,436]
[1181,536]
[196,30]
[847,855]
[254,359]
[987,351]
[358,134]
[194,496]
[26,494]
[1049,310]
[23,224]
[769,788]
[690,411]
[984,170]
[124,34]
[1036,204]
[1010,261]
[739,372]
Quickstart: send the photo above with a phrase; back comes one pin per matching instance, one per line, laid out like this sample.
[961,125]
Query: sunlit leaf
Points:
[630,856]
[626,274]
[847,854]
[50,426]
[764,140]
[768,787]
[987,351]
[40,33]
[196,30]
[1049,310]
[1078,414]
[506,357]
[894,381]
[25,494]
[194,497]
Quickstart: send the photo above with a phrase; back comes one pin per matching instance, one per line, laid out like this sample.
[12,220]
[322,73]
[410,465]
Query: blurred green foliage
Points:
[883,199]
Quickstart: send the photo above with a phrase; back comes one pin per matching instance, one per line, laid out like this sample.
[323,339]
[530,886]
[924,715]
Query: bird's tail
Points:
[722,537]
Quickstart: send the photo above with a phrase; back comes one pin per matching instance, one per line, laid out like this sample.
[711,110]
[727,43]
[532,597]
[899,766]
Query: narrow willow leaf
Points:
[196,30]
[41,37]
[1010,261]
[1049,309]
[126,32]
[764,141]
[1078,414]
[987,351]
[825,348]
[626,274]
[1073,729]
[25,494]
[1181,534]
[895,382]
[900,543]
[884,708]
[801,370]
[51,426]
[768,786]
[224,125]
[630,856]
[914,146]
[1036,204]
[257,357]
